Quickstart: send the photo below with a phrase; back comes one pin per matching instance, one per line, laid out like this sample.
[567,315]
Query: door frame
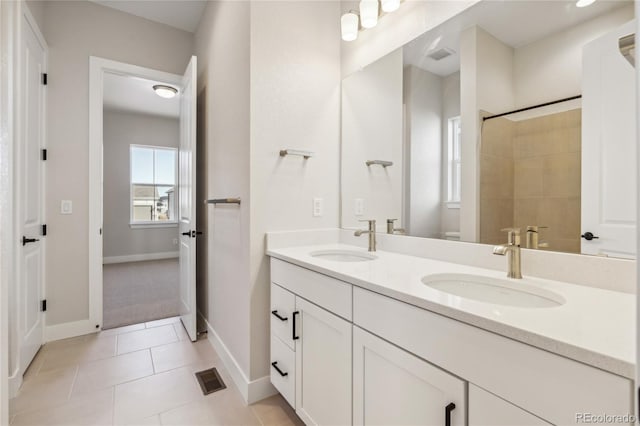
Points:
[97,68]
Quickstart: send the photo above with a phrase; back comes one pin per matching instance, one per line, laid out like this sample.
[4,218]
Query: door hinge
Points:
[44,230]
[44,78]
[44,155]
[43,305]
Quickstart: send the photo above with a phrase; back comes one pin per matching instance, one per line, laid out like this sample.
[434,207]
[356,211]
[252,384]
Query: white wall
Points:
[270,79]
[74,31]
[121,130]
[295,103]
[450,217]
[372,130]
[394,30]
[486,85]
[551,68]
[222,47]
[423,100]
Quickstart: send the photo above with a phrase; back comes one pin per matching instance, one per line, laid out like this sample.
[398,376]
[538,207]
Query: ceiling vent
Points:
[440,54]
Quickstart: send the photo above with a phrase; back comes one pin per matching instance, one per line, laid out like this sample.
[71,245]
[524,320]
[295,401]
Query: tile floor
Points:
[136,375]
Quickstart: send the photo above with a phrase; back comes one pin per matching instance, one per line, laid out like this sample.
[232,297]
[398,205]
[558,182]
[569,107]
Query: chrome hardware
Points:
[392,230]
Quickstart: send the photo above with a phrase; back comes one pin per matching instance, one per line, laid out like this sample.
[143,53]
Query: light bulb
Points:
[368,13]
[349,26]
[390,5]
[584,3]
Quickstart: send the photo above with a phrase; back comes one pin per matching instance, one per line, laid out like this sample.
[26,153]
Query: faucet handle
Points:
[535,228]
[391,220]
[513,236]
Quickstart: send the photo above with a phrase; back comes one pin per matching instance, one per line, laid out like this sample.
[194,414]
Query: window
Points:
[153,185]
[453,200]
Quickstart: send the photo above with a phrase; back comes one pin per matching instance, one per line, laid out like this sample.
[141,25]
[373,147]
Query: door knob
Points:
[589,236]
[188,233]
[195,233]
[26,240]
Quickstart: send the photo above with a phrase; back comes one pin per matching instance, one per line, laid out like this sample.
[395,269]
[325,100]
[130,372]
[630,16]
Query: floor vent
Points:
[210,381]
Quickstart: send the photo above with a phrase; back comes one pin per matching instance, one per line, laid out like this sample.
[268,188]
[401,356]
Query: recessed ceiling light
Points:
[163,91]
[584,3]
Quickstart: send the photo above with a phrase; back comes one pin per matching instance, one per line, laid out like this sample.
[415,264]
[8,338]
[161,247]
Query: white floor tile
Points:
[183,353]
[143,339]
[160,322]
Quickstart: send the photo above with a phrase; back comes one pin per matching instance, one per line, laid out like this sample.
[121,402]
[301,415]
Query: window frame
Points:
[146,223]
[454,174]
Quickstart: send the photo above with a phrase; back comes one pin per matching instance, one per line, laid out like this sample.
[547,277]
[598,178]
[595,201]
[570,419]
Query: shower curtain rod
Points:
[531,107]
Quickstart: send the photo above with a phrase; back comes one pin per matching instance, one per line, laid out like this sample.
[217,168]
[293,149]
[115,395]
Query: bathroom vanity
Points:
[385,338]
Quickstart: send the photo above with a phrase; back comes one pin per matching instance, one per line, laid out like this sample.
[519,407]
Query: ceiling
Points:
[515,23]
[134,94]
[182,14]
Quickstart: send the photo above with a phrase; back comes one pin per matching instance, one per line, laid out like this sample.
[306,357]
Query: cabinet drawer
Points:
[555,389]
[283,303]
[333,295]
[285,361]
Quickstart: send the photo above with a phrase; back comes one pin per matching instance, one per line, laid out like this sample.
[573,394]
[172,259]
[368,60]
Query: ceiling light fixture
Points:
[584,3]
[164,91]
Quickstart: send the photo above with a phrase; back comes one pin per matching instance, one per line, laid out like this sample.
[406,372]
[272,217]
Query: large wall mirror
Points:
[510,115]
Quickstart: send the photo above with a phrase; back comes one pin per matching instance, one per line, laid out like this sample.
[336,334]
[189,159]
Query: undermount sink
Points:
[343,255]
[493,290]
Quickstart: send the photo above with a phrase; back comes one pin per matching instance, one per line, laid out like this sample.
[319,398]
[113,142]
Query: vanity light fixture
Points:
[369,13]
[584,3]
[165,91]
[367,17]
[390,5]
[349,25]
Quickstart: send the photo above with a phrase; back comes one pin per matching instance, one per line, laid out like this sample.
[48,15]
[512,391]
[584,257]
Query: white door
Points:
[323,365]
[393,387]
[31,190]
[187,195]
[608,148]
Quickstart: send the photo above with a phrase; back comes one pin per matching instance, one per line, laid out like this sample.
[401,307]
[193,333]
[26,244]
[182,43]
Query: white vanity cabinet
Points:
[486,409]
[311,346]
[394,387]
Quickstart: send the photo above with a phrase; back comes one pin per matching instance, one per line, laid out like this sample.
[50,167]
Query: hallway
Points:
[135,375]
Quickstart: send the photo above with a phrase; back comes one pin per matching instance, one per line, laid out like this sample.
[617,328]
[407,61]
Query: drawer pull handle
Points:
[275,365]
[275,313]
[294,325]
[447,413]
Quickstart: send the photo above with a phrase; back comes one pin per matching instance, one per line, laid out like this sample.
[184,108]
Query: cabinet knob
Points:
[589,236]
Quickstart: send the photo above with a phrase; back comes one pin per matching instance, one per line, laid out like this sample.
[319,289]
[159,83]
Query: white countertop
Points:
[594,326]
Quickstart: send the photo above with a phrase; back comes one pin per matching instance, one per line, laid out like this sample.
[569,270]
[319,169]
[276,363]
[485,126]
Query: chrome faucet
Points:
[533,234]
[512,249]
[371,231]
[392,230]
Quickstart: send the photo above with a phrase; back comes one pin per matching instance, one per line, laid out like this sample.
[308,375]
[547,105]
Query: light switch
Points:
[359,207]
[317,207]
[66,207]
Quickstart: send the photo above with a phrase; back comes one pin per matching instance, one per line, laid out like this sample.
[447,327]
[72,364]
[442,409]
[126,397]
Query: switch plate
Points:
[359,207]
[66,207]
[317,207]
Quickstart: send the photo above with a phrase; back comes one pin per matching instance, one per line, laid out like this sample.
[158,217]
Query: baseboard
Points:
[15,382]
[251,391]
[140,257]
[69,329]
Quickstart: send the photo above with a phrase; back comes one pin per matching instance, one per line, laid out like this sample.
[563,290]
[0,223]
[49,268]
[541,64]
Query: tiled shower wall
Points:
[545,178]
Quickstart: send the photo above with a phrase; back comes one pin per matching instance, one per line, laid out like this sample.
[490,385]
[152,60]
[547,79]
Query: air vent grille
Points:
[441,54]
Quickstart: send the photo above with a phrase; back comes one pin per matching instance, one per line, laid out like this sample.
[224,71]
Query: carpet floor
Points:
[137,292]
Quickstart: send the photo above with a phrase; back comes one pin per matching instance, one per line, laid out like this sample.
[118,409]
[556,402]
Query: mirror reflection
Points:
[509,115]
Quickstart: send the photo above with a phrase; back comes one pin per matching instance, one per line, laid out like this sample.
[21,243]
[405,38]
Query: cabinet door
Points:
[486,409]
[323,366]
[393,387]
